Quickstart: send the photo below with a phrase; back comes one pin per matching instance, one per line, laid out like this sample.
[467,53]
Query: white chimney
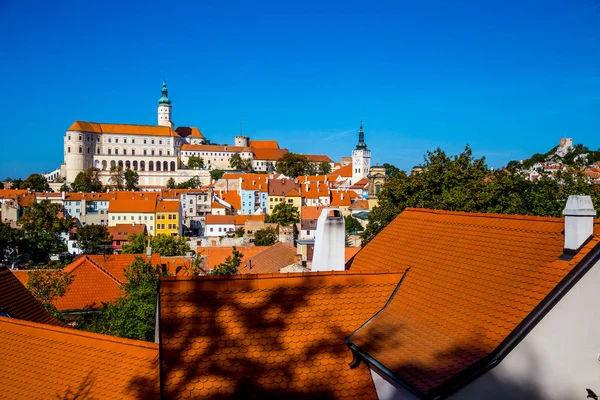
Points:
[579,222]
[329,241]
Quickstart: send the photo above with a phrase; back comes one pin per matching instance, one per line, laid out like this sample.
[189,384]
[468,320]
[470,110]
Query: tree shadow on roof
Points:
[82,392]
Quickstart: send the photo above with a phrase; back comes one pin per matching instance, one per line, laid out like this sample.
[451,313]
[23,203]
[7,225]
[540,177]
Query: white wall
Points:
[558,359]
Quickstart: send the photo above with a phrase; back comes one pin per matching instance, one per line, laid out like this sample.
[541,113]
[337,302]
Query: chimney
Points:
[329,241]
[579,222]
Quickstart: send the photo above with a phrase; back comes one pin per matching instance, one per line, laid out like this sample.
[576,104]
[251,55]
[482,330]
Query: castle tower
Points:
[361,158]
[164,107]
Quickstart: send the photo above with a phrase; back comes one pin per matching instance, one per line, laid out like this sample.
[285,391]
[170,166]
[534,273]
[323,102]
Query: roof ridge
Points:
[118,123]
[104,270]
[77,332]
[289,275]
[487,215]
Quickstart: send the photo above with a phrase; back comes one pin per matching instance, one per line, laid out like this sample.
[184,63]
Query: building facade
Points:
[361,158]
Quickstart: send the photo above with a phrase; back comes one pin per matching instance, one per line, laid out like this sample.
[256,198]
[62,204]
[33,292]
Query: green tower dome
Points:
[164,99]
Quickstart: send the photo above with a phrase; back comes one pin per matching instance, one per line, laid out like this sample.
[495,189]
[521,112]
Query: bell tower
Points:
[164,107]
[361,158]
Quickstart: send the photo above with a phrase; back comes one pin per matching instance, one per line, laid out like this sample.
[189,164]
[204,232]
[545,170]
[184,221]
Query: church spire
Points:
[361,139]
[165,95]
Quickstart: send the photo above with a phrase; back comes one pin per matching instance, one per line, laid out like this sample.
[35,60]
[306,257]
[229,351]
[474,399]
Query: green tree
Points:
[171,183]
[43,230]
[88,181]
[11,240]
[324,168]
[93,239]
[235,161]
[266,237]
[284,214]
[116,177]
[294,165]
[391,170]
[352,225]
[239,232]
[131,179]
[167,245]
[133,315]
[192,183]
[231,264]
[47,283]
[195,162]
[136,244]
[36,183]
[216,174]
[65,188]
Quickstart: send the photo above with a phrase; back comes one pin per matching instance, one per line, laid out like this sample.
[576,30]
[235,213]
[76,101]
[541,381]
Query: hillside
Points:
[565,153]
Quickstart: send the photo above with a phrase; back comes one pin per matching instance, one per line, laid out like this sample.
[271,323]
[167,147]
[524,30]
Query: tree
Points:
[352,225]
[47,283]
[216,174]
[239,232]
[464,183]
[65,188]
[192,183]
[230,265]
[116,177]
[294,165]
[11,240]
[43,230]
[133,315]
[195,162]
[390,170]
[131,179]
[235,161]
[88,181]
[266,237]
[284,214]
[36,183]
[93,239]
[324,168]
[171,183]
[136,244]
[167,245]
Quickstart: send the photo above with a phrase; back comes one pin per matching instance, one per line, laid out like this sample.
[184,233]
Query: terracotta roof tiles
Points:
[46,362]
[266,336]
[220,219]
[122,129]
[269,261]
[473,278]
[215,255]
[264,144]
[168,206]
[189,131]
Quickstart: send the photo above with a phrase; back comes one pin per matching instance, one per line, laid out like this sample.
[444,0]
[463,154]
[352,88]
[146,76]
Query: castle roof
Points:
[123,129]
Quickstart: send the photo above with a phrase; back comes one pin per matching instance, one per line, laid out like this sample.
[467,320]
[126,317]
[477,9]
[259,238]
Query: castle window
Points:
[80,149]
[69,137]
[116,151]
[88,150]
[124,140]
[160,142]
[68,149]
[109,140]
[117,140]
[144,141]
[132,140]
[109,150]
[168,152]
[152,151]
[152,141]
[98,139]
[97,150]
[160,152]
[79,137]
[133,152]
[124,151]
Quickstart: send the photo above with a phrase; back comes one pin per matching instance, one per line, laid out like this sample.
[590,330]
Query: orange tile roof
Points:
[122,129]
[473,279]
[27,200]
[189,131]
[293,193]
[267,336]
[361,184]
[122,231]
[96,196]
[268,154]
[215,255]
[264,144]
[168,206]
[18,302]
[137,202]
[241,219]
[318,158]
[341,198]
[350,252]
[46,362]
[312,178]
[344,172]
[219,219]
[314,190]
[215,148]
[13,193]
[280,187]
[269,261]
[114,264]
[233,198]
[217,205]
[360,205]
[310,212]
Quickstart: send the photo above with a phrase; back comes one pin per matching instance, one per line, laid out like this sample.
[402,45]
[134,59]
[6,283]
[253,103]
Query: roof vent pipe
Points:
[579,222]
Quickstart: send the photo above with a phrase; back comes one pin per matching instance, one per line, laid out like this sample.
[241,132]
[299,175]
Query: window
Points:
[152,141]
[308,232]
[109,151]
[124,140]
[116,151]
[160,152]
[160,142]
[190,201]
[79,137]
[119,217]
[211,229]
[168,152]
[132,140]
[109,140]
[271,206]
[98,150]
[144,141]
[145,151]
[151,217]
[132,217]
[69,137]
[98,139]
[152,151]
[68,149]
[80,149]
[133,152]
[117,140]
[191,209]
[290,201]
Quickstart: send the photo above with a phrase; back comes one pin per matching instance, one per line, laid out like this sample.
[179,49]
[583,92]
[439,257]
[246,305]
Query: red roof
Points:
[344,172]
[318,158]
[311,212]
[267,336]
[189,131]
[215,255]
[122,231]
[168,206]
[18,302]
[241,219]
[269,261]
[233,198]
[220,219]
[264,144]
[473,279]
[214,148]
[268,154]
[314,190]
[280,187]
[122,129]
[47,362]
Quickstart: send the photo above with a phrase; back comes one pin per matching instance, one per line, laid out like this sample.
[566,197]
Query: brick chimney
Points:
[579,222]
[329,241]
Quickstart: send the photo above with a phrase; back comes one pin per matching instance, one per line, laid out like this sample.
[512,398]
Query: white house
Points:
[219,225]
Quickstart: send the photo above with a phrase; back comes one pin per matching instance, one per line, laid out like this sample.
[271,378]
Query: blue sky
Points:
[508,78]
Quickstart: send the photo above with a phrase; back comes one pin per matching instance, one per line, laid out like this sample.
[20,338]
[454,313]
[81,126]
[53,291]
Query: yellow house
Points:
[293,197]
[282,191]
[168,218]
[128,208]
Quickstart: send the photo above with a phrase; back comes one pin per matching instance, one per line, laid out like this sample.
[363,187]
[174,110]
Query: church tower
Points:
[164,107]
[361,158]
